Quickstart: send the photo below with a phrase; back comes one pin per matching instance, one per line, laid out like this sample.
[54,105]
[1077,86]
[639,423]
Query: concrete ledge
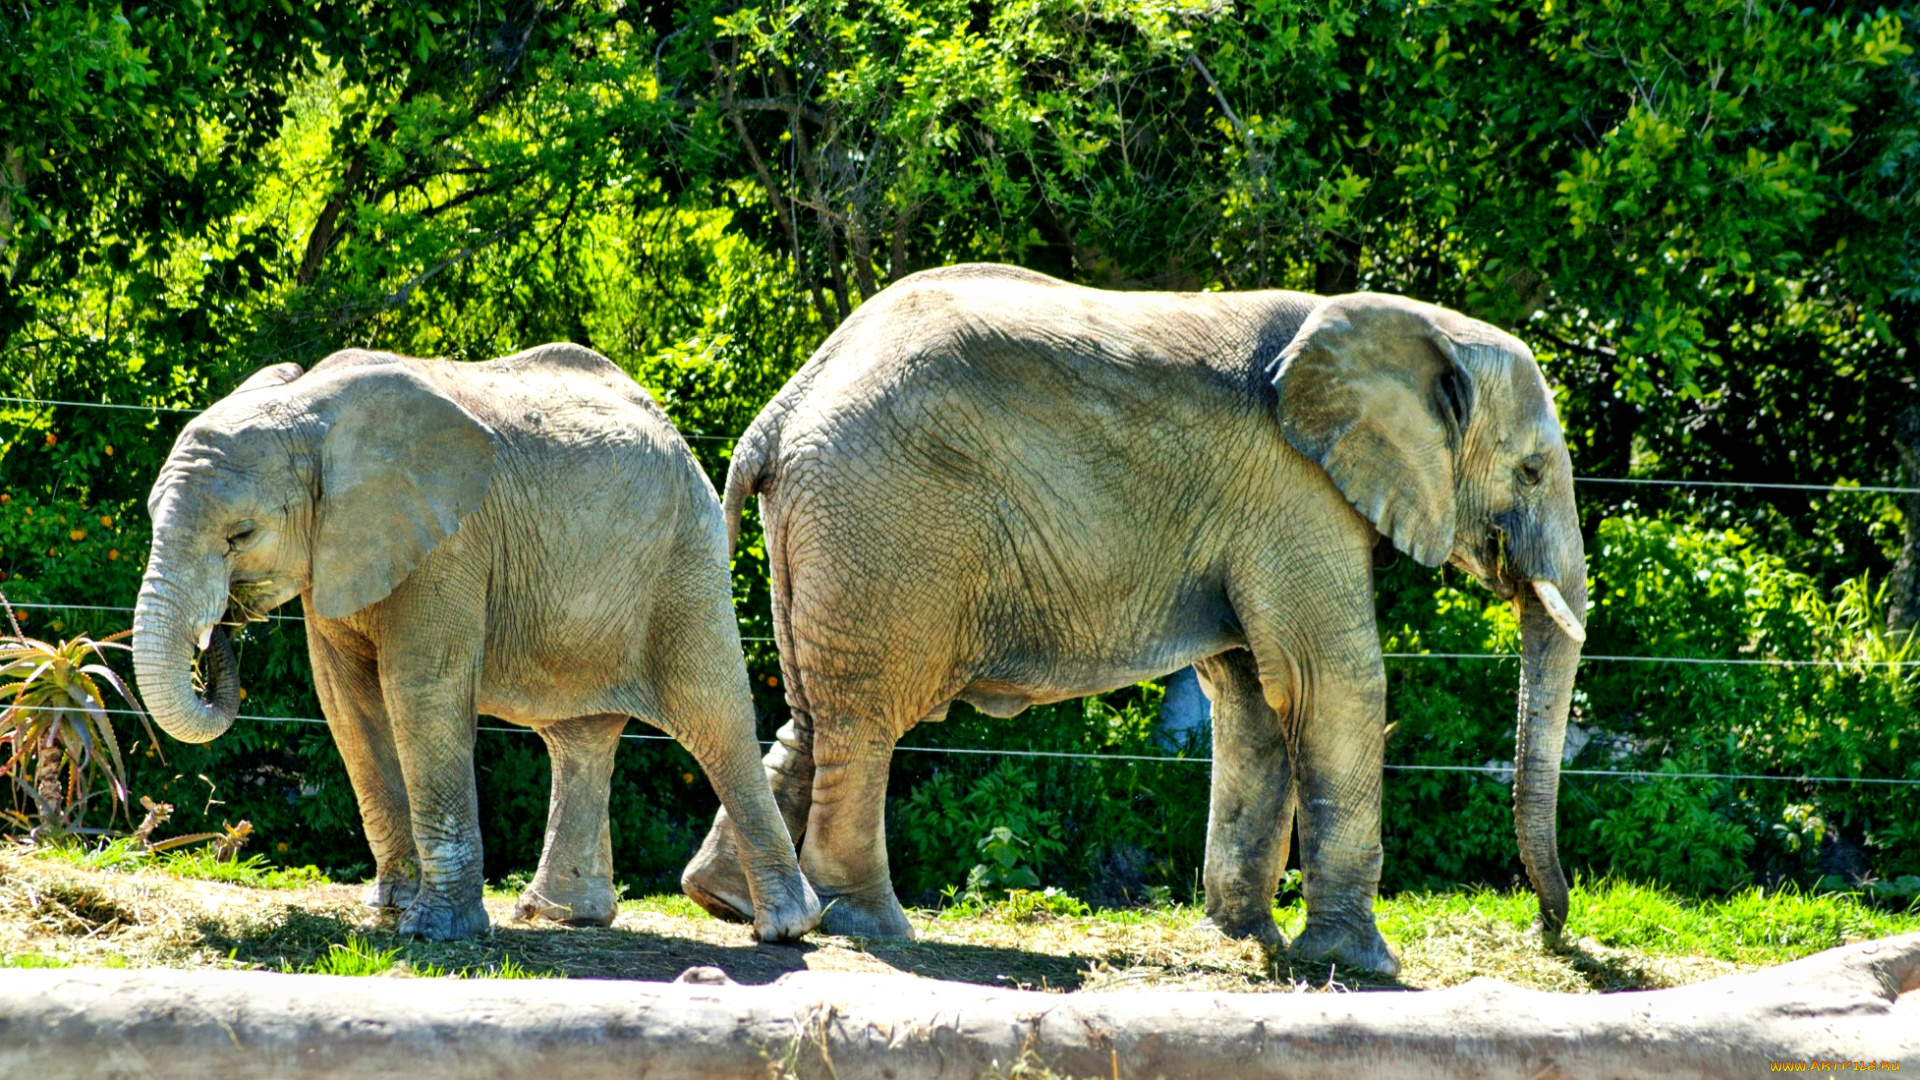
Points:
[1856,1003]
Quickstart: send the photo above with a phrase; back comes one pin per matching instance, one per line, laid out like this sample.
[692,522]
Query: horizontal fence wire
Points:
[19,605]
[195,412]
[1602,658]
[1838,489]
[1500,771]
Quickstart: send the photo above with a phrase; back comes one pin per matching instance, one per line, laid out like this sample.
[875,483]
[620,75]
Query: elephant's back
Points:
[579,379]
[585,439]
[993,359]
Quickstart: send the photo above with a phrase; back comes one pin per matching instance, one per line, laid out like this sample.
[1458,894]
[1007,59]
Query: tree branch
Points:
[724,75]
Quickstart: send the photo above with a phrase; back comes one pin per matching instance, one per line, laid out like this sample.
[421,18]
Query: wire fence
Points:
[1711,661]
[1488,770]
[1836,489]
[1497,771]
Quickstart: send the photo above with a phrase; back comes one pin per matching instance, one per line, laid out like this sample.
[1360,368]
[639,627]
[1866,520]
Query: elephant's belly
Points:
[1015,683]
[551,664]
[534,702]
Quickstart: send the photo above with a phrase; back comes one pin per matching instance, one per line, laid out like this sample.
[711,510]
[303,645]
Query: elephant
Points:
[528,538]
[992,486]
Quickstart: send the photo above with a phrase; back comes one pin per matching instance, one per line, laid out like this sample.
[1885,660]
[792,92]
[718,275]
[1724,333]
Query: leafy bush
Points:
[1000,817]
[55,733]
[1674,830]
[1108,830]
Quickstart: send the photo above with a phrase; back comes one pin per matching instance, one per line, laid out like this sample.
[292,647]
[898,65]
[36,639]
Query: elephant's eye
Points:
[239,538]
[1533,469]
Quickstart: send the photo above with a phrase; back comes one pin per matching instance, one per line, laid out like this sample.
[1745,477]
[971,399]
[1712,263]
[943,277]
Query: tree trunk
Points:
[1852,1004]
[50,783]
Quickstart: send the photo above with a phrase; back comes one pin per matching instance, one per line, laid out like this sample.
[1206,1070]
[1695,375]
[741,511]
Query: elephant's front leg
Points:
[1250,816]
[575,881]
[429,676]
[1341,740]
[349,689]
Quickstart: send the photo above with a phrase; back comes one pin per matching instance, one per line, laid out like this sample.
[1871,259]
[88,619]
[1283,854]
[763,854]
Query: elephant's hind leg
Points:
[1250,817]
[715,879]
[574,883]
[845,852]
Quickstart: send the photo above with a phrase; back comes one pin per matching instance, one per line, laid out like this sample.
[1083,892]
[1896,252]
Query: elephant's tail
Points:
[752,460]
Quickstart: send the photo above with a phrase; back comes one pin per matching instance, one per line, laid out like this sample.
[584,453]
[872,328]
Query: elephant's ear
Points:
[401,464]
[1373,390]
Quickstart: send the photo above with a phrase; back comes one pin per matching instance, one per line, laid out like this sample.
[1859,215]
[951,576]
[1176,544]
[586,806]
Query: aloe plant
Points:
[55,731]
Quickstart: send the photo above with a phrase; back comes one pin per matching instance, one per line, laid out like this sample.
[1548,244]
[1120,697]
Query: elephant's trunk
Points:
[165,626]
[1552,621]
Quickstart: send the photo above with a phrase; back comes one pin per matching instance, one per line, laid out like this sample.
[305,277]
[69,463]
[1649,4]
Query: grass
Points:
[360,957]
[110,907]
[196,863]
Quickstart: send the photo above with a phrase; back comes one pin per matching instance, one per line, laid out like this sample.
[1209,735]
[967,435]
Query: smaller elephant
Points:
[527,538]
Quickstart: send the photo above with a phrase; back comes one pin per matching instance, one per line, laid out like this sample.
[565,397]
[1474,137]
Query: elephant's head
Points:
[335,483]
[1441,431]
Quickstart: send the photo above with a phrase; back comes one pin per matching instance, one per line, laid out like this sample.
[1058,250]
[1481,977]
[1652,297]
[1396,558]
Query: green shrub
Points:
[1677,831]
[999,819]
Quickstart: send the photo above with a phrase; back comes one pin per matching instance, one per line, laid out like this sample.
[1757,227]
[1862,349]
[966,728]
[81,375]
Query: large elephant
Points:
[527,538]
[996,487]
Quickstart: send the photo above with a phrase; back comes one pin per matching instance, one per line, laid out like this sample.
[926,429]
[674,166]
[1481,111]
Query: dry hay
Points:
[150,918]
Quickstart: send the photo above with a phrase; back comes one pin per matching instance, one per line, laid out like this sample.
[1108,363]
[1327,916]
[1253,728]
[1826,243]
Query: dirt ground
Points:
[66,914]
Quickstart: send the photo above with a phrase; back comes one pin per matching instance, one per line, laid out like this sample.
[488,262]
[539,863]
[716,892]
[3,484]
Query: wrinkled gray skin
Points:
[994,487]
[527,538]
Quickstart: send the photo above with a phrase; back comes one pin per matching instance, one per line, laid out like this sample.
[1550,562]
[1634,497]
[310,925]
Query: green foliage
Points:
[1019,905]
[55,734]
[1701,214]
[129,855]
[999,816]
[1665,589]
[1671,830]
[1106,830]
[1901,890]
[1003,853]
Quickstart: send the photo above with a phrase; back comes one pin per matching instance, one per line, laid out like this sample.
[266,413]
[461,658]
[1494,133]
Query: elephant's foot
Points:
[390,894]
[788,908]
[715,881]
[434,918]
[1347,946]
[1259,927]
[575,902]
[874,913]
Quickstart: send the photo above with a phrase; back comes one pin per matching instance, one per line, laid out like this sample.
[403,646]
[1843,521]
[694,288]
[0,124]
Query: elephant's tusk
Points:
[206,636]
[1556,605]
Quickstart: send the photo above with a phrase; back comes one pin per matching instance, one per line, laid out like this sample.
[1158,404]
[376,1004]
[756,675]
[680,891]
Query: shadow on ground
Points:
[658,947]
[299,938]
[55,914]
